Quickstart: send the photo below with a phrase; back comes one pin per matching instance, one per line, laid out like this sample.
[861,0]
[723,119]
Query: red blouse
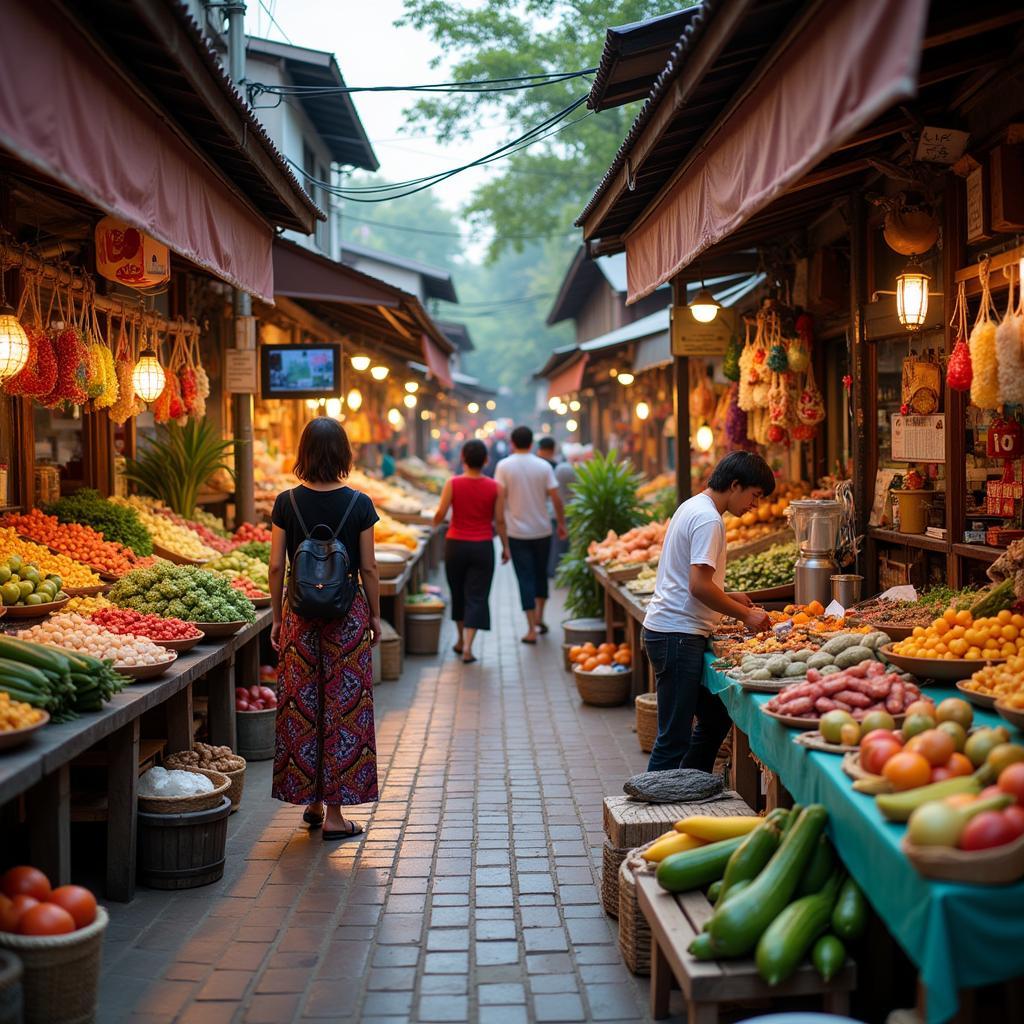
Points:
[473,501]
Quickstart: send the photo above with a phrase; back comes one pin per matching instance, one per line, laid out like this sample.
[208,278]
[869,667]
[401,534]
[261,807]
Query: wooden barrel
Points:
[256,734]
[581,631]
[183,851]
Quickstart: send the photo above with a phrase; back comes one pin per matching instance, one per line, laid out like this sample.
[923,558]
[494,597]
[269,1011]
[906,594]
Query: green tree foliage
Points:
[539,190]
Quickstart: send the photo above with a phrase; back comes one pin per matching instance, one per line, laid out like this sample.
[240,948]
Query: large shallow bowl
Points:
[809,724]
[937,669]
[16,737]
[815,741]
[1013,715]
[140,672]
[35,611]
[895,633]
[177,645]
[261,602]
[100,588]
[996,866]
[980,700]
[213,630]
[173,556]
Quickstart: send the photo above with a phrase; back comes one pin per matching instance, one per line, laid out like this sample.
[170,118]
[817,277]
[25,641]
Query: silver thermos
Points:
[816,525]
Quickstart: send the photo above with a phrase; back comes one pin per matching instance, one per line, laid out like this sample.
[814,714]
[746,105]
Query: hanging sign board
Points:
[919,438]
[129,256]
[690,338]
[240,371]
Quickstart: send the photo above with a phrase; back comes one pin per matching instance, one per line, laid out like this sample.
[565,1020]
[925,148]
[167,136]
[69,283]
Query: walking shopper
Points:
[478,511]
[689,600]
[326,756]
[529,482]
[546,449]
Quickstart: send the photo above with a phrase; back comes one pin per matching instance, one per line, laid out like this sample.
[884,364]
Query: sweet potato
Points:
[894,702]
[853,698]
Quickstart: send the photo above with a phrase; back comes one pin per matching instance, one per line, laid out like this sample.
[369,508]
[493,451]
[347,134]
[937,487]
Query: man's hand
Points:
[757,620]
[562,532]
[505,556]
[740,598]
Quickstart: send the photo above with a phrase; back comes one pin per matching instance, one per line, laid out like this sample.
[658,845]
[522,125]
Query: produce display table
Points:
[41,769]
[959,936]
[617,596]
[394,590]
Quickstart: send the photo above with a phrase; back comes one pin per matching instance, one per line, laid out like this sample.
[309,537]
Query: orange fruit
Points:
[608,648]
[590,664]
[575,651]
[959,764]
[622,658]
[604,658]
[907,770]
[588,646]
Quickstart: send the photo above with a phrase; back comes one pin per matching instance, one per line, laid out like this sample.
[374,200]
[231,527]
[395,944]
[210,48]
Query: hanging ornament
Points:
[982,344]
[14,343]
[148,377]
[1010,350]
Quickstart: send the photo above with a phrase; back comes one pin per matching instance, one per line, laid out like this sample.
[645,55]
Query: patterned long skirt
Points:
[325,740]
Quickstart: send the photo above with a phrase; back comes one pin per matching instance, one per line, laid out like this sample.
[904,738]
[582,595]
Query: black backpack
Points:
[321,584]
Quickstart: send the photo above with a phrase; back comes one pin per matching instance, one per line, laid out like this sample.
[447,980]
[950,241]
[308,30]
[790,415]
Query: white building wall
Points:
[407,280]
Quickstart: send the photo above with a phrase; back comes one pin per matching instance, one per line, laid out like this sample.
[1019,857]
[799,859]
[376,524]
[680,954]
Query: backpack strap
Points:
[298,514]
[351,505]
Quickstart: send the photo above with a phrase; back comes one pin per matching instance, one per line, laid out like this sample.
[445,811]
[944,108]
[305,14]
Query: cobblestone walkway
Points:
[473,896]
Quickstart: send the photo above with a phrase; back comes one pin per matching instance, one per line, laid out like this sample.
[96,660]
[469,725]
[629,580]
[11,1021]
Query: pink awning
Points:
[850,62]
[65,112]
[437,361]
[568,379]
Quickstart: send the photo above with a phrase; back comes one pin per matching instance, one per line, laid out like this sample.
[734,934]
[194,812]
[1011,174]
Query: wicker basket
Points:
[634,931]
[602,689]
[647,720]
[61,972]
[611,861]
[390,652]
[184,804]
[566,648]
[237,784]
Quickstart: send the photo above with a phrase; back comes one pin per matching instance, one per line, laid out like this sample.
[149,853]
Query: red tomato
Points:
[267,694]
[874,756]
[46,919]
[242,705]
[11,911]
[1014,816]
[1011,780]
[77,901]
[257,705]
[254,692]
[24,879]
[985,831]
[241,693]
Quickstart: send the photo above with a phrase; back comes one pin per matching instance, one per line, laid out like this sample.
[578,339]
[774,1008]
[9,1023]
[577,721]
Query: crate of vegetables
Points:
[767,575]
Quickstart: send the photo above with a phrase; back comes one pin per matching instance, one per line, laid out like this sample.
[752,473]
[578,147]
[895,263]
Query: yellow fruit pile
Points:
[179,540]
[957,634]
[389,531]
[15,714]
[85,605]
[1004,682]
[71,573]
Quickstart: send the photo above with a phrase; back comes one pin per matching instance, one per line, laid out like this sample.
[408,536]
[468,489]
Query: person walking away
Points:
[387,463]
[689,600]
[499,451]
[477,504]
[547,451]
[326,755]
[529,482]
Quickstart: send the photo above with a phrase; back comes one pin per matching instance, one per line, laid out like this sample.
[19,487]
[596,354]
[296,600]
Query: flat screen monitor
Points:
[300,371]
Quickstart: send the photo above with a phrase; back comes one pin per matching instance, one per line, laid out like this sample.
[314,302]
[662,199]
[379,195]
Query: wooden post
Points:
[48,806]
[178,710]
[122,792]
[859,398]
[954,257]
[221,704]
[681,403]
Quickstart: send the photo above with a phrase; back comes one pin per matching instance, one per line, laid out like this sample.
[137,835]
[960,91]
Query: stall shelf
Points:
[41,770]
[959,936]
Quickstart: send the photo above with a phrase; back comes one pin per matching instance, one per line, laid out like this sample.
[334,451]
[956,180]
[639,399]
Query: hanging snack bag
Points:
[810,409]
[959,371]
[982,343]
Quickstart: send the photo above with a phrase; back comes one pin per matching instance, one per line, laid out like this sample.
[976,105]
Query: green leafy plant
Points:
[604,498]
[175,464]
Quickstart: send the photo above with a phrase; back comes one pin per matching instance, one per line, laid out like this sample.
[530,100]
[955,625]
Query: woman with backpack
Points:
[324,627]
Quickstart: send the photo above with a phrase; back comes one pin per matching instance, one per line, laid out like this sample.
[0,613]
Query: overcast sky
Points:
[371,51]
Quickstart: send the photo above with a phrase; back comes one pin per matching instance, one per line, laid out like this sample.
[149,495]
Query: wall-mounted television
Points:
[300,371]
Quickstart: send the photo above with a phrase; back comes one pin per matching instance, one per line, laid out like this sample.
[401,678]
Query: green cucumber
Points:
[740,922]
[19,670]
[819,870]
[29,653]
[734,890]
[700,948]
[753,853]
[785,942]
[850,916]
[794,813]
[714,889]
[828,956]
[694,869]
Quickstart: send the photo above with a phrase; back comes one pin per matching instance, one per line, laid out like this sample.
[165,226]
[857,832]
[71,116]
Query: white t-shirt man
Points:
[696,536]
[527,479]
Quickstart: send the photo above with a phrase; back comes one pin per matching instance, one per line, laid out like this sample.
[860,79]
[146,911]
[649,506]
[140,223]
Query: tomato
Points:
[985,831]
[10,914]
[77,901]
[267,694]
[24,879]
[875,756]
[1011,780]
[880,734]
[46,919]
[1014,816]
[907,770]
[241,705]
[941,773]
[935,746]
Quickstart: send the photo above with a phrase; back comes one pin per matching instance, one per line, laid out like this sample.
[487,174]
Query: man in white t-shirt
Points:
[689,600]
[529,484]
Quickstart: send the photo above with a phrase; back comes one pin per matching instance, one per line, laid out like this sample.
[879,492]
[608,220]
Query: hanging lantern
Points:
[473,408]
[409,401]
[14,346]
[704,306]
[333,407]
[379,372]
[912,296]
[492,404]
[643,410]
[412,386]
[562,409]
[572,426]
[148,377]
[360,363]
[625,378]
[395,419]
[705,438]
[354,399]
[554,403]
[574,406]
[424,414]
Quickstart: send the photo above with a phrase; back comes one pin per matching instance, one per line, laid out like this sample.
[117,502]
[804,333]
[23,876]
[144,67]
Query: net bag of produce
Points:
[745,394]
[982,343]
[111,388]
[72,359]
[959,371]
[735,419]
[39,374]
[1010,353]
[798,355]
[127,403]
[810,409]
[95,372]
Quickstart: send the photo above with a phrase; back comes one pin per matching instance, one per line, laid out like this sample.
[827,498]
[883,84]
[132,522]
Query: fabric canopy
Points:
[68,114]
[437,361]
[849,63]
[568,379]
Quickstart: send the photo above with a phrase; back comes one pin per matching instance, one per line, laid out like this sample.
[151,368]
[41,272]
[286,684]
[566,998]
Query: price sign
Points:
[691,338]
[240,371]
[919,438]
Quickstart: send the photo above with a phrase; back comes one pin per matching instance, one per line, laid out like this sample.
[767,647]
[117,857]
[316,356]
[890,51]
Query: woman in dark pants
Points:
[478,511]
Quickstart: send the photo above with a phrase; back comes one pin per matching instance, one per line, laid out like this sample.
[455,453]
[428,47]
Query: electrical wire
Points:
[451,234]
[275,23]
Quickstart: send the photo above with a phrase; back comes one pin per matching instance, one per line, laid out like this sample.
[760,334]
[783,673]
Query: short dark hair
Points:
[522,438]
[325,454]
[747,469]
[546,444]
[474,454]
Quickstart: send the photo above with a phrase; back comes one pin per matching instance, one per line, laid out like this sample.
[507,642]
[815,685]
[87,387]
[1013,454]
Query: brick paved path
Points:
[473,896]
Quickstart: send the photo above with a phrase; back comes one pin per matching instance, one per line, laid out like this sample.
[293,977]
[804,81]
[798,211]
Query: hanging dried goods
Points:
[982,343]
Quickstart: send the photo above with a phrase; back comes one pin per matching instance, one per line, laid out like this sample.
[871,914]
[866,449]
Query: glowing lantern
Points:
[704,306]
[410,401]
[379,372]
[354,399]
[705,438]
[360,363]
[14,347]
[626,378]
[912,296]
[412,386]
[148,377]
[395,419]
[333,407]
[643,410]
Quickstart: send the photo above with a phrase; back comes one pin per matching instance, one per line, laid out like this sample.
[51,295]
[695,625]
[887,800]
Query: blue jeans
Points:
[678,663]
[530,561]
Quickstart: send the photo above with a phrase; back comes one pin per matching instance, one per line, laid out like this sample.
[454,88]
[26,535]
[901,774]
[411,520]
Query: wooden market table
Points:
[616,596]
[412,575]
[41,769]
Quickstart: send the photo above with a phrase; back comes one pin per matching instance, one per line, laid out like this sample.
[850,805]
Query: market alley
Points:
[473,896]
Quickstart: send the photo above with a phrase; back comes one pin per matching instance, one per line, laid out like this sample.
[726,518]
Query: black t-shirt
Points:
[325,507]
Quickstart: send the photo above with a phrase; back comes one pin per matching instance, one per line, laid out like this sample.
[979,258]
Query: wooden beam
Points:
[723,25]
[956,33]
[393,320]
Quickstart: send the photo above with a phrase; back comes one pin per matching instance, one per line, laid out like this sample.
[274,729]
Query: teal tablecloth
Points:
[959,936]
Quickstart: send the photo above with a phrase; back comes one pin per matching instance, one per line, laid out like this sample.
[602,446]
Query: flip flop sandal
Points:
[457,649]
[469,660]
[343,833]
[312,820]
[542,628]
[527,641]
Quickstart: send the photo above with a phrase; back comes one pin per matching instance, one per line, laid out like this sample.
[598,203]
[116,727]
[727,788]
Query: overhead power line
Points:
[437,233]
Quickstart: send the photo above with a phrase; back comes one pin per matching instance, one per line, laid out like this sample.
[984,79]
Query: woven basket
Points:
[634,931]
[184,804]
[566,648]
[602,689]
[61,972]
[237,784]
[647,720]
[611,861]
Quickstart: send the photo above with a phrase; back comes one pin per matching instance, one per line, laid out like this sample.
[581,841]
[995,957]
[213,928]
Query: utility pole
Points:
[245,323]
